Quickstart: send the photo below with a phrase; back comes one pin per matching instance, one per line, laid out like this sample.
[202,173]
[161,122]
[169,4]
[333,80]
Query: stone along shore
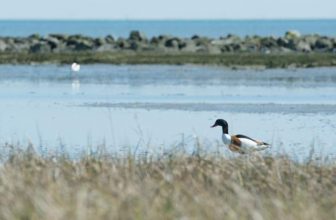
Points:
[292,49]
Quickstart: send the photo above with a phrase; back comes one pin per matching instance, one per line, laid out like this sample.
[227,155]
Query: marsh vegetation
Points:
[167,186]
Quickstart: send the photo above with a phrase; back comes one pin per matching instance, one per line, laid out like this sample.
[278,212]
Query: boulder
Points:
[41,47]
[202,41]
[173,43]
[303,46]
[99,41]
[53,42]
[292,34]
[324,44]
[3,46]
[18,45]
[282,42]
[138,46]
[292,44]
[158,44]
[137,36]
[188,45]
[195,37]
[311,39]
[154,40]
[268,42]
[80,43]
[109,39]
[122,43]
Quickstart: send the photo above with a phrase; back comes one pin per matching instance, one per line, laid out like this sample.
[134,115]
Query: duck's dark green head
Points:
[223,124]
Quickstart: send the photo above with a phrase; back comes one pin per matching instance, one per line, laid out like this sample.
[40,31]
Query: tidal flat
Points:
[151,108]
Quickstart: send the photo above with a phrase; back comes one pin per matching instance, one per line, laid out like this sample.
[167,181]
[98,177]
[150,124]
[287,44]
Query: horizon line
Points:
[165,19]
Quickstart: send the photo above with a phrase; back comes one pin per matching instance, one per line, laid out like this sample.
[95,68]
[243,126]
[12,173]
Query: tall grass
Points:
[177,186]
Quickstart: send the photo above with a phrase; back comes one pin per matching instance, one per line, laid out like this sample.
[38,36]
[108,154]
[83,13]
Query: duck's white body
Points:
[243,144]
[226,139]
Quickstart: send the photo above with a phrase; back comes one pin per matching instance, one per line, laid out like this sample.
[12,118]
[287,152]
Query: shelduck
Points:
[239,143]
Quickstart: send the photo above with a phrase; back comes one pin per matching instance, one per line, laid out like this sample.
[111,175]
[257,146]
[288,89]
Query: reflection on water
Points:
[75,82]
[75,85]
[151,107]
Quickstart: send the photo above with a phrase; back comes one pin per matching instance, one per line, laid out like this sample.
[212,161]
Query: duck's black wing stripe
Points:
[243,136]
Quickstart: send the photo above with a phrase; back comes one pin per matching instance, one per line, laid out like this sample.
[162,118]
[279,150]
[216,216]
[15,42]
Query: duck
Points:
[239,143]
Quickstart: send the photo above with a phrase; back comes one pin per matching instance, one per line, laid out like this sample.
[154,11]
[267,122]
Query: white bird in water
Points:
[75,67]
[239,143]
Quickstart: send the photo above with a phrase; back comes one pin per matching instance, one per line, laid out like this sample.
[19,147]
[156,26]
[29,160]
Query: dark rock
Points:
[53,42]
[173,42]
[41,47]
[137,36]
[83,45]
[154,40]
[109,39]
[19,40]
[158,44]
[202,41]
[268,42]
[292,43]
[137,45]
[165,37]
[195,37]
[99,42]
[324,44]
[122,43]
[283,42]
[80,43]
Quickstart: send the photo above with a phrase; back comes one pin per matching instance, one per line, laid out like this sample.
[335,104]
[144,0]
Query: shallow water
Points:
[150,108]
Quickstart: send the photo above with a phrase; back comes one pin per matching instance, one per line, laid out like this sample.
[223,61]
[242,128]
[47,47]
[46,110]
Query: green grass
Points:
[178,186]
[229,59]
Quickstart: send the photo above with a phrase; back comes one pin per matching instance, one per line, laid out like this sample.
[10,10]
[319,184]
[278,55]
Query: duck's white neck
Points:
[226,139]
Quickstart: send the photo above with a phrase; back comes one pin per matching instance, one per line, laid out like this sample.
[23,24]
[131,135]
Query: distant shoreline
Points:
[232,60]
[291,50]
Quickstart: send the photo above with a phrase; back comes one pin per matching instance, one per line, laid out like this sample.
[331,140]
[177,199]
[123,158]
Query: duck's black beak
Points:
[213,126]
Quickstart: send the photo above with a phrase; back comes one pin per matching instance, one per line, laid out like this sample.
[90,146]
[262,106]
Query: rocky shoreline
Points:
[137,48]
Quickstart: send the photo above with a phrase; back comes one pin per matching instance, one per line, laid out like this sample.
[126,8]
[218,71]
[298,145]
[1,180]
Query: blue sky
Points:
[168,9]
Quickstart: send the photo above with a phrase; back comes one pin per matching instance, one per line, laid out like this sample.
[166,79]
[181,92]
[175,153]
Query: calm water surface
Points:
[151,108]
[180,28]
